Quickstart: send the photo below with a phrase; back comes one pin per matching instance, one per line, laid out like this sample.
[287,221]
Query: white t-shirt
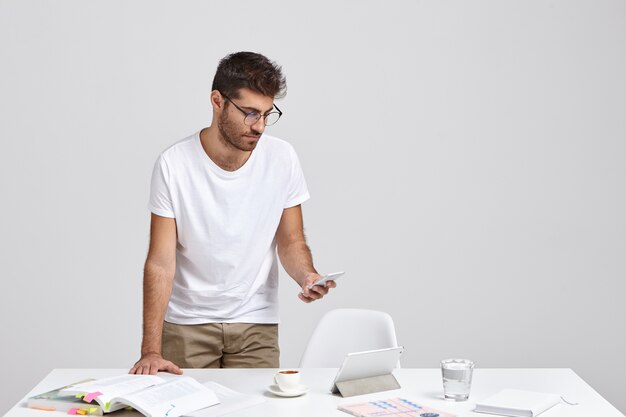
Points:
[226,264]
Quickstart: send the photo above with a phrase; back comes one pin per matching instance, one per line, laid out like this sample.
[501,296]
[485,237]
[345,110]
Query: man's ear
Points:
[217,100]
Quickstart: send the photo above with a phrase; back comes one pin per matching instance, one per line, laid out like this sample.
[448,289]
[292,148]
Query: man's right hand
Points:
[151,363]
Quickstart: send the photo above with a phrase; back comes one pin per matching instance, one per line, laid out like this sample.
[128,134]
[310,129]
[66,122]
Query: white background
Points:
[466,160]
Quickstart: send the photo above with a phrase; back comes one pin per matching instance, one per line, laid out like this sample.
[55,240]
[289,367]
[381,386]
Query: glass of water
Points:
[457,378]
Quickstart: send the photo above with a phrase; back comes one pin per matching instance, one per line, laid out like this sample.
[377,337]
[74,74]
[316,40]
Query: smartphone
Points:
[333,276]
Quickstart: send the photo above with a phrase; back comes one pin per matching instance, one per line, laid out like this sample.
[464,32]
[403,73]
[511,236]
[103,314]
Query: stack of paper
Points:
[517,403]
[230,400]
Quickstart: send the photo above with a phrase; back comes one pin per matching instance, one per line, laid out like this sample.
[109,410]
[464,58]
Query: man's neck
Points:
[221,152]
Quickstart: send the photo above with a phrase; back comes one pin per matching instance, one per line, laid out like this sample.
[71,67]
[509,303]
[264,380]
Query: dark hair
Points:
[249,70]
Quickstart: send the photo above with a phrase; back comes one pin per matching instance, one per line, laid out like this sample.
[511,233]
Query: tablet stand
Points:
[367,385]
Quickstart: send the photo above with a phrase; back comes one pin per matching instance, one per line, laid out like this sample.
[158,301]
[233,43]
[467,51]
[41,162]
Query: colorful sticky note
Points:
[81,411]
[80,395]
[93,410]
[107,406]
[89,397]
[37,407]
[72,411]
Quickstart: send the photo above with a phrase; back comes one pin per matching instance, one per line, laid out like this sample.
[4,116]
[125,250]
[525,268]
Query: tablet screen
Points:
[368,364]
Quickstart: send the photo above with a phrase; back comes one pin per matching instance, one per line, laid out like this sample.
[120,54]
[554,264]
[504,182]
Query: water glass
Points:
[457,378]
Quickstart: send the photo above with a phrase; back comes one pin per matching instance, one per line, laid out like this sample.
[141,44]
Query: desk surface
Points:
[422,386]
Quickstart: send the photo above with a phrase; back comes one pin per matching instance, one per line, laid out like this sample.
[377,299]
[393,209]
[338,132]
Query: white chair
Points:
[344,331]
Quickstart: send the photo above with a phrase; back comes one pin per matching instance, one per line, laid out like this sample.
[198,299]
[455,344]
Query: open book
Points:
[54,401]
[149,394]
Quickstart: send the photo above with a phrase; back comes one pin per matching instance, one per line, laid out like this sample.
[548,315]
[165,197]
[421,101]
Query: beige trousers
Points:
[221,345]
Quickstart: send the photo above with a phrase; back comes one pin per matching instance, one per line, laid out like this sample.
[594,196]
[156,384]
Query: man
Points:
[223,202]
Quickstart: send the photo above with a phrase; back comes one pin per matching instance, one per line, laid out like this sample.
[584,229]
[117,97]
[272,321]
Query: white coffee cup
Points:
[287,379]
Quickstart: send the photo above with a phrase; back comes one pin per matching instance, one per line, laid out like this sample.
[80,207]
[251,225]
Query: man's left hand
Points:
[312,292]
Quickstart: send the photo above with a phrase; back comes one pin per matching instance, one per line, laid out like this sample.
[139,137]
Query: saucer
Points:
[301,389]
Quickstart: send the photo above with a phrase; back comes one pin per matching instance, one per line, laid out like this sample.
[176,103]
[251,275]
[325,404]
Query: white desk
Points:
[422,386]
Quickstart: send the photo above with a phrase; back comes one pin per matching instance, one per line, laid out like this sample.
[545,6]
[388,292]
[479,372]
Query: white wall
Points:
[467,162]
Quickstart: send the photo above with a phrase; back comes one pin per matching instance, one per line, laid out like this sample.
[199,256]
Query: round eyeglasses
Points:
[251,117]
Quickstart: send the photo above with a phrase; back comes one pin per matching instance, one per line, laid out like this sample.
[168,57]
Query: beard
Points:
[234,137]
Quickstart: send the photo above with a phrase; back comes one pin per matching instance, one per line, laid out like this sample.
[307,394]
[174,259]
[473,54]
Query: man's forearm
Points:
[297,260]
[157,287]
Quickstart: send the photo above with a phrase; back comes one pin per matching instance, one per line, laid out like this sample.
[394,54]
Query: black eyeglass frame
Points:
[255,115]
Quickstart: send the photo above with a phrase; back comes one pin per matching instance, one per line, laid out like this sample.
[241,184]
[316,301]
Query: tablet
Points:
[367,364]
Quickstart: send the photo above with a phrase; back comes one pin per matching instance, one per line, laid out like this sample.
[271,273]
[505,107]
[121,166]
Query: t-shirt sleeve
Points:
[297,192]
[160,202]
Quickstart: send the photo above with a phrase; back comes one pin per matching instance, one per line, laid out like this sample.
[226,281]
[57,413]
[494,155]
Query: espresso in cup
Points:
[287,379]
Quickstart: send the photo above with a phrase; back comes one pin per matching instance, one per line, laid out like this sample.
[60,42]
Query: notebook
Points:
[517,403]
[392,407]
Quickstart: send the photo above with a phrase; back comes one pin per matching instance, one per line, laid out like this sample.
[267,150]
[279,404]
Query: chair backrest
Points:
[344,331]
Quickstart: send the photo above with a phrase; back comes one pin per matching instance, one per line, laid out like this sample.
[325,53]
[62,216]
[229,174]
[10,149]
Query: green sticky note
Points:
[107,406]
[80,395]
[93,410]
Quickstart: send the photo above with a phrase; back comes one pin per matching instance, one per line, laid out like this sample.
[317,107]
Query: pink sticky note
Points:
[91,396]
[72,411]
